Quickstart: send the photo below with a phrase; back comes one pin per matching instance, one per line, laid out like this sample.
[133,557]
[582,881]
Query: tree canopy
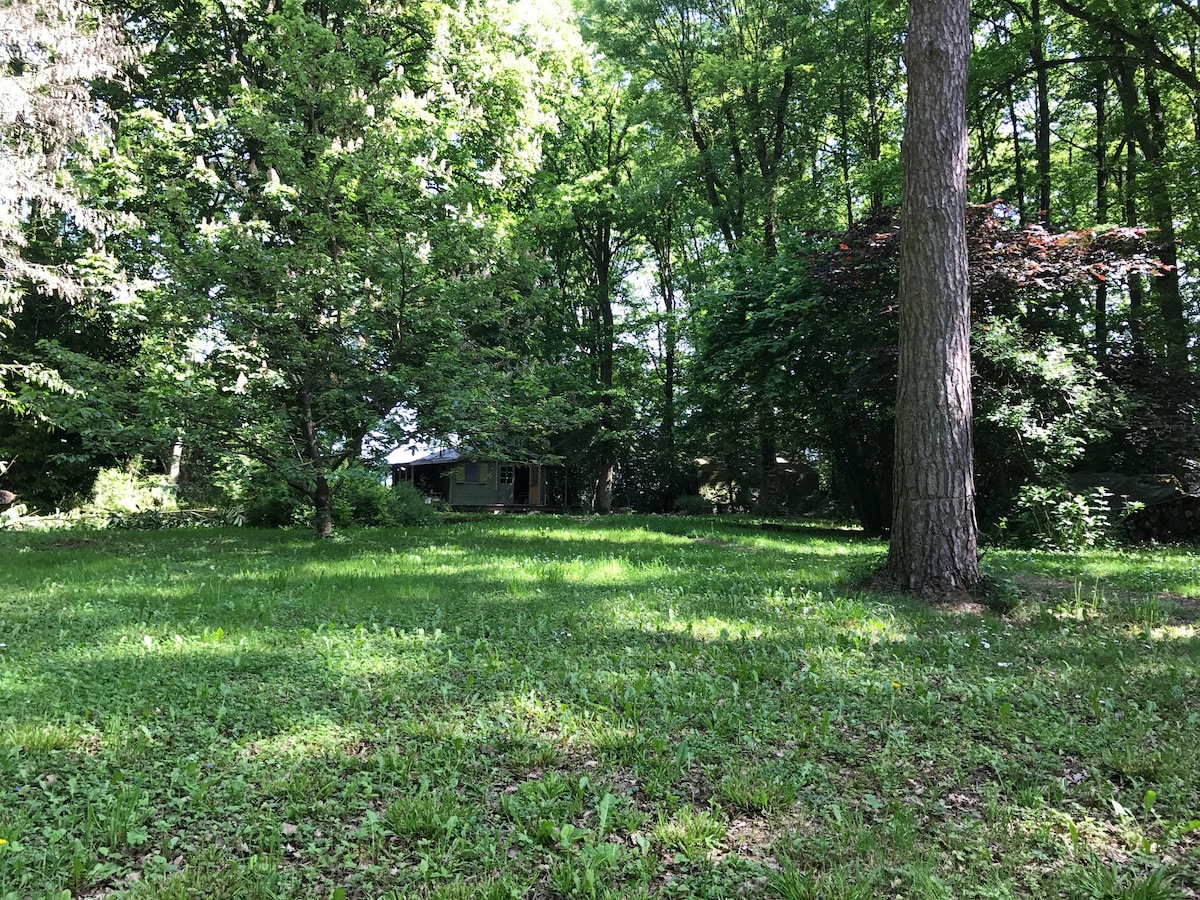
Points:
[656,242]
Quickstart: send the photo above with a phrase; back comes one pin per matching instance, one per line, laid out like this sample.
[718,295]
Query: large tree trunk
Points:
[934,535]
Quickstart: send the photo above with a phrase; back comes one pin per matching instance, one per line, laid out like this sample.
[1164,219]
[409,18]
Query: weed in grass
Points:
[586,875]
[215,876]
[901,829]
[751,794]
[39,737]
[427,814]
[466,889]
[1146,611]
[1003,595]
[393,763]
[116,822]
[1097,881]
[1134,764]
[791,884]
[690,833]
[626,819]
[535,756]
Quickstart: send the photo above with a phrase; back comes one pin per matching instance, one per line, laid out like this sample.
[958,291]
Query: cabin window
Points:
[471,473]
[507,473]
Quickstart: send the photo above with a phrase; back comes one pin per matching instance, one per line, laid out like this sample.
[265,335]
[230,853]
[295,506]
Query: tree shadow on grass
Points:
[664,715]
[408,579]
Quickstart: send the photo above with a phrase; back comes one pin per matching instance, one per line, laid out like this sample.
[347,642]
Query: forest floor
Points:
[542,707]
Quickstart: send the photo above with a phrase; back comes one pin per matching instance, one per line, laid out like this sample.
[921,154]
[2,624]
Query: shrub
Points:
[1055,518]
[268,502]
[691,505]
[411,506]
[129,490]
[160,519]
[363,499]
[360,498]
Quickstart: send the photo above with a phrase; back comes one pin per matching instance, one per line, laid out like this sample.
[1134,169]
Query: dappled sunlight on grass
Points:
[537,530]
[1168,570]
[507,699]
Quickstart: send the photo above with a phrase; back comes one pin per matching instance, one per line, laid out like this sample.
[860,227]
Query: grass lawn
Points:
[549,707]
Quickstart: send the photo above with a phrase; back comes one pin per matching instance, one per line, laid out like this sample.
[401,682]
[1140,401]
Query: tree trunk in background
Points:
[1101,300]
[1166,282]
[866,478]
[985,129]
[1042,123]
[1018,172]
[605,449]
[844,148]
[1147,128]
[934,534]
[175,466]
[322,499]
[663,246]
[874,118]
[321,493]
[1137,297]
[768,449]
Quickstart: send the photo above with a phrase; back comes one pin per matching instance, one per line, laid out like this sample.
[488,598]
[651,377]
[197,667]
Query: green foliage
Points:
[350,172]
[159,519]
[791,884]
[269,503]
[692,505]
[130,489]
[815,332]
[1055,518]
[1102,882]
[360,498]
[363,499]
[1042,407]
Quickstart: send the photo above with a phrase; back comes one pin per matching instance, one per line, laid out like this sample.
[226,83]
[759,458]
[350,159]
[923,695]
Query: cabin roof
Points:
[423,456]
[426,456]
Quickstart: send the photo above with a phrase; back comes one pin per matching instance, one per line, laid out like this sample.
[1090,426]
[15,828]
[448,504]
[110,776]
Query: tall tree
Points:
[590,163]
[934,533]
[325,189]
[740,80]
[49,53]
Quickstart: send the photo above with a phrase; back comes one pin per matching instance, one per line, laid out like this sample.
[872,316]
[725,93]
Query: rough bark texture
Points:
[934,536]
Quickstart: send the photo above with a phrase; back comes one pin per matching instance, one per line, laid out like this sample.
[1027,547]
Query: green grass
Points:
[549,707]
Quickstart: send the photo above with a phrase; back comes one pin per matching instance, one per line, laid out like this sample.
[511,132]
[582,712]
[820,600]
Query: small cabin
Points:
[459,480]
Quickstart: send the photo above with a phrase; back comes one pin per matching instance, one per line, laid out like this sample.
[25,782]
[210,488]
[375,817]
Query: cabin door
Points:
[521,486]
